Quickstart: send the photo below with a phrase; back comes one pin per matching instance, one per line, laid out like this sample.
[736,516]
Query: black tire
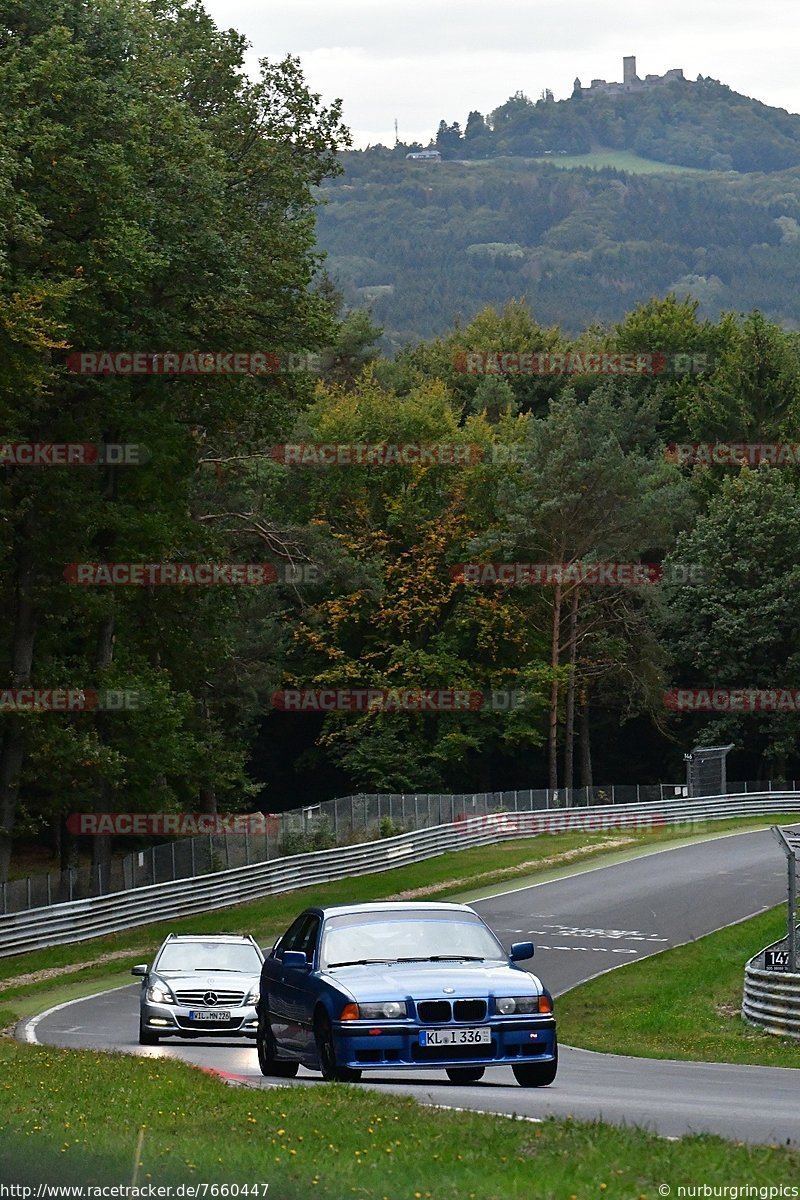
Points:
[267,1061]
[146,1038]
[535,1074]
[464,1074]
[332,1072]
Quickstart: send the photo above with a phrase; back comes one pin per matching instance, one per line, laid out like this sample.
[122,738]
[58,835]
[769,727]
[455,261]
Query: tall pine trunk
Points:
[23,637]
[585,742]
[555,644]
[104,654]
[569,723]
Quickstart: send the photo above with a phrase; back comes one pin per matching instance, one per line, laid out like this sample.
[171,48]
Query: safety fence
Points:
[79,920]
[343,821]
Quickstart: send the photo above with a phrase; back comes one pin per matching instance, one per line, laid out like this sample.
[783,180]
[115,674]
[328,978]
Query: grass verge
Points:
[696,1015]
[76,1117]
[623,160]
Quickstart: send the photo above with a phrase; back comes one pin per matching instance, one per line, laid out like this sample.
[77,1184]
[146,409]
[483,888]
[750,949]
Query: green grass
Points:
[76,1117]
[682,1003]
[623,160]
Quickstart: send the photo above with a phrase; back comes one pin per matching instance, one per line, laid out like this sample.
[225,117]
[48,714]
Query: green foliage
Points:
[153,196]
[304,842]
[150,197]
[735,625]
[389,828]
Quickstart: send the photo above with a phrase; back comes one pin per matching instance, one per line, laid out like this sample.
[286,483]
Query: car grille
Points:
[434,1010]
[438,1011]
[469,1010]
[196,998]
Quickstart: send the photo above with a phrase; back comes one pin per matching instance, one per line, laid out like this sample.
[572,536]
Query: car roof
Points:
[222,938]
[409,906]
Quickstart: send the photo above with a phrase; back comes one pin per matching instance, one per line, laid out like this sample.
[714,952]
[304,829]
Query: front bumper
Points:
[371,1044]
[174,1020]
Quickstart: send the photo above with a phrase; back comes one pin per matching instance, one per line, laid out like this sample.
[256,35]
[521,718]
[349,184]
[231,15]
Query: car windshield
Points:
[405,937]
[209,956]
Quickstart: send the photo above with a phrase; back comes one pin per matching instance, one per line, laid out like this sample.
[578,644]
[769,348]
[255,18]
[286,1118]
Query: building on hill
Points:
[425,156]
[630,81]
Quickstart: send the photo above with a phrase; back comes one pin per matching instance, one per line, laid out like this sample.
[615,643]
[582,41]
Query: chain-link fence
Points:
[346,820]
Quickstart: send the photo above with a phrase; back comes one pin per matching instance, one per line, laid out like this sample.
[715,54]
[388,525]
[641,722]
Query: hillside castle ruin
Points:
[630,81]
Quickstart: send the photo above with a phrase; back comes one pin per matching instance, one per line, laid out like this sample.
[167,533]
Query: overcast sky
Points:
[423,60]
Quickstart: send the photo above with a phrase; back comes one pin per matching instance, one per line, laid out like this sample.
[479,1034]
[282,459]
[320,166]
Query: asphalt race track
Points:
[582,926]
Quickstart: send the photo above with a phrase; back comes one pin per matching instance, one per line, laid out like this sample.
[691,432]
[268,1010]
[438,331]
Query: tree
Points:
[589,492]
[150,196]
[404,621]
[448,139]
[735,623]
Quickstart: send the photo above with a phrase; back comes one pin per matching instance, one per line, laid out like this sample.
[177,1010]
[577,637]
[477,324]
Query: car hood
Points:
[429,980]
[207,981]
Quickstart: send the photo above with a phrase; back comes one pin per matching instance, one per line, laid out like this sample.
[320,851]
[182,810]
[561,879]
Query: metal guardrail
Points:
[338,822]
[771,999]
[84,919]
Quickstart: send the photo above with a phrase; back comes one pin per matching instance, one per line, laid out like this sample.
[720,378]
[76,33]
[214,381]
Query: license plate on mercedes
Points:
[210,1014]
[454,1037]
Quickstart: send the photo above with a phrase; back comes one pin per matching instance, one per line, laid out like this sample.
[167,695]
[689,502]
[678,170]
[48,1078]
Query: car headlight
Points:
[159,993]
[506,1005]
[389,1010]
[252,996]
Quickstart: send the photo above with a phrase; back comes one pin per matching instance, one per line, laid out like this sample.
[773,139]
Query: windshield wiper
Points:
[221,970]
[362,962]
[443,958]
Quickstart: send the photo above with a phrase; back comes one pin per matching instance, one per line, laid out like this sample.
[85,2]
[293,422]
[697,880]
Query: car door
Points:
[291,1000]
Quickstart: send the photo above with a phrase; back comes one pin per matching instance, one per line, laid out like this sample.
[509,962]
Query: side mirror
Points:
[295,960]
[520,950]
[140,969]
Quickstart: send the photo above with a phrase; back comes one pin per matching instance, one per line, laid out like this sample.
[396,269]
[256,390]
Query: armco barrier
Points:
[80,920]
[771,999]
[339,822]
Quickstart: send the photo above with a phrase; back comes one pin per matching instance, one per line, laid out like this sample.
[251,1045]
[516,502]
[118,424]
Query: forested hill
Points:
[423,244]
[692,124]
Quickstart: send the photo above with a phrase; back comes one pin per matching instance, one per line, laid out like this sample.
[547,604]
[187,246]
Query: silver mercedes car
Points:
[203,985]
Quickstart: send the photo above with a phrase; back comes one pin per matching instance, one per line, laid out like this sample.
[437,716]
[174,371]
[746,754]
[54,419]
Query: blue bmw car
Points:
[407,985]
